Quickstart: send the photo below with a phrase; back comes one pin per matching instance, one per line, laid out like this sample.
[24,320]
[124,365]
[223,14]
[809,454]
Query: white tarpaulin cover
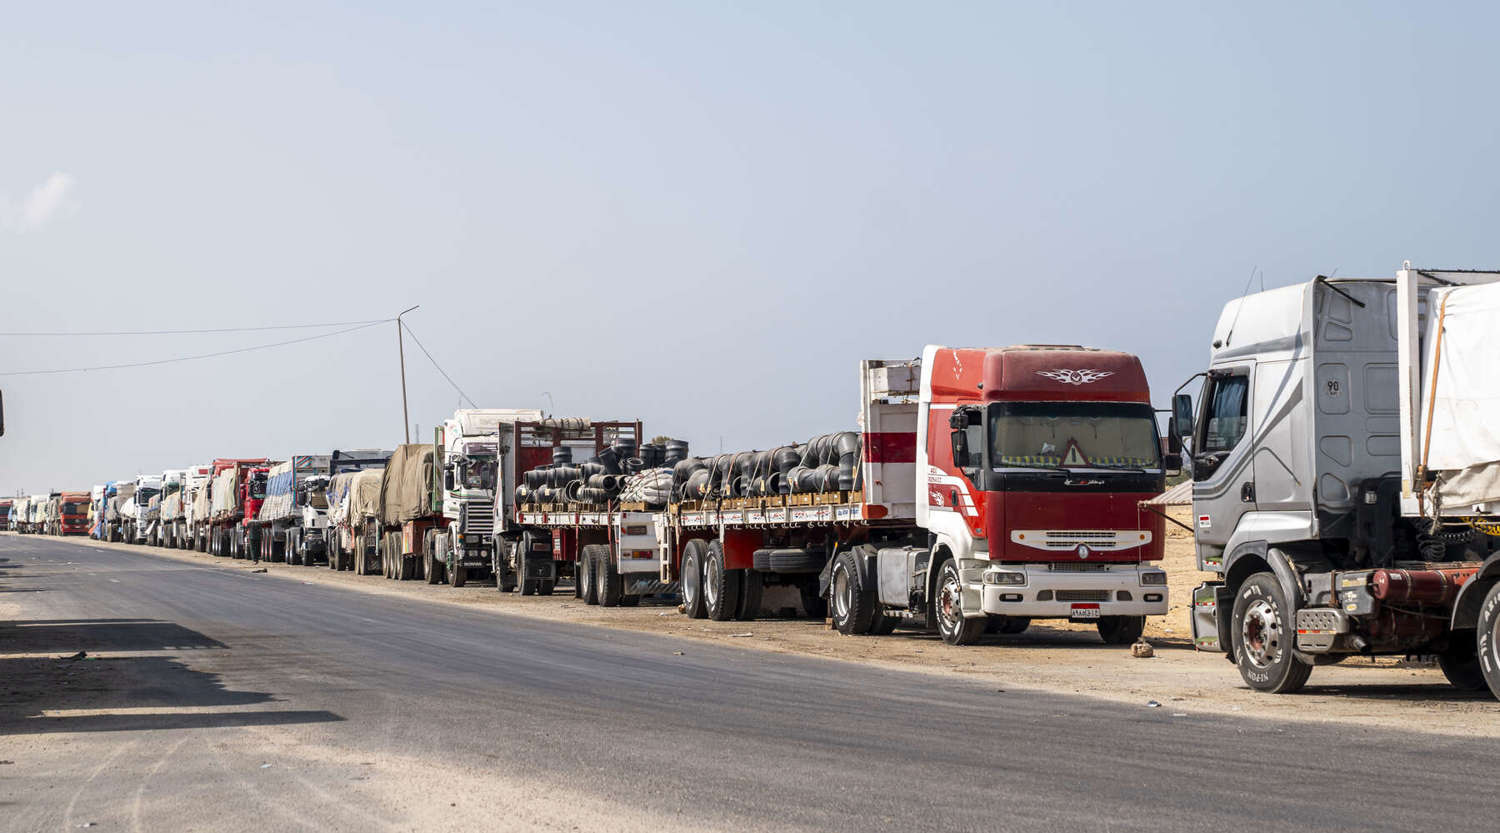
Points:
[1464,395]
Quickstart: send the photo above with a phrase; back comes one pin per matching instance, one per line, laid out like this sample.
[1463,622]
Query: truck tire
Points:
[752,590]
[853,604]
[588,571]
[813,603]
[693,554]
[721,587]
[458,574]
[1460,664]
[505,577]
[546,586]
[1263,638]
[1008,625]
[883,623]
[611,586]
[947,608]
[1121,630]
[578,580]
[529,586]
[1487,639]
[429,557]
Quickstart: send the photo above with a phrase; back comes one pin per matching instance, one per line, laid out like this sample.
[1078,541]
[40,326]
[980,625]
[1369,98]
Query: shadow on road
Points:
[60,693]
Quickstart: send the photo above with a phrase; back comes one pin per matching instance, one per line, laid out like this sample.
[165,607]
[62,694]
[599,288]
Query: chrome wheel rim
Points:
[950,602]
[1261,634]
[843,594]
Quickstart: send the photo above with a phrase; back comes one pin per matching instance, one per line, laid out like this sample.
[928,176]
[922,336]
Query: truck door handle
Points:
[1247,492]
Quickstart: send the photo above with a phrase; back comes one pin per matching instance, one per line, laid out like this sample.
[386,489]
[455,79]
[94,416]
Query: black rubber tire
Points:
[456,573]
[429,557]
[852,604]
[953,626]
[693,554]
[546,586]
[578,580]
[883,623]
[588,573]
[814,605]
[795,562]
[1282,673]
[1487,639]
[1012,625]
[611,586]
[1121,630]
[505,577]
[529,586]
[721,587]
[1460,663]
[752,591]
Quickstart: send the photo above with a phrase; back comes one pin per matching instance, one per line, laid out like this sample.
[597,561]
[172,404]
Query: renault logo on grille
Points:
[1083,550]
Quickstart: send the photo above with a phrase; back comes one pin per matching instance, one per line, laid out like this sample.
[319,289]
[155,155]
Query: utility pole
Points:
[401,348]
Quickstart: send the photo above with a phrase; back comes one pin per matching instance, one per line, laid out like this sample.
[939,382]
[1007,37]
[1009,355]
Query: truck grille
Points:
[478,518]
[1077,567]
[1083,595]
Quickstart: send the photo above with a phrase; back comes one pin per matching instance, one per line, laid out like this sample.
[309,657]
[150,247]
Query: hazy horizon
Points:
[701,217]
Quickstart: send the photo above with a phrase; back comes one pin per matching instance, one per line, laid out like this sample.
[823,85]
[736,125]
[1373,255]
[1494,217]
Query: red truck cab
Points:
[1036,458]
[73,513]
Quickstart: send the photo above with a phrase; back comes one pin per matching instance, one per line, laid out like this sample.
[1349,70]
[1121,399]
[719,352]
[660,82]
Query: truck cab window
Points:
[1225,420]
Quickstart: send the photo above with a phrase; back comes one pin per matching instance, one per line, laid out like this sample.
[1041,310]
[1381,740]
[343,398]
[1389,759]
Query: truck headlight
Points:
[1153,578]
[1005,578]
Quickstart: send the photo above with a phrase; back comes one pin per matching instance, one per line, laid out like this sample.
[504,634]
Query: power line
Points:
[41,334]
[438,366]
[195,357]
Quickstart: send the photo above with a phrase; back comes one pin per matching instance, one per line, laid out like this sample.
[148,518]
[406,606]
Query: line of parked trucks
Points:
[1345,462]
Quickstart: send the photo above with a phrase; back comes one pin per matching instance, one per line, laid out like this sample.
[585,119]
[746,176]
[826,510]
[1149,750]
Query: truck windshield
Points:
[1073,435]
[143,496]
[476,472]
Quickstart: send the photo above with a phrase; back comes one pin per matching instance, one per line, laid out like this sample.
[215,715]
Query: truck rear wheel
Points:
[524,557]
[588,570]
[1487,641]
[1263,637]
[1121,630]
[721,587]
[853,604]
[611,587]
[947,601]
[752,590]
[505,577]
[692,579]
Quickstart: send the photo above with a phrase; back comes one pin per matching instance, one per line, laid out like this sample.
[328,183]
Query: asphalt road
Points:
[230,700]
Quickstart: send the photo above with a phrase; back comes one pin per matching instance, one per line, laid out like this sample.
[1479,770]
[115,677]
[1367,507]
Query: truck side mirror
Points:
[1171,463]
[1182,419]
[448,479]
[960,449]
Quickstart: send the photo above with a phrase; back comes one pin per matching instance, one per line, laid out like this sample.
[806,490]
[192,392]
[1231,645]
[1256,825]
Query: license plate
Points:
[1084,612]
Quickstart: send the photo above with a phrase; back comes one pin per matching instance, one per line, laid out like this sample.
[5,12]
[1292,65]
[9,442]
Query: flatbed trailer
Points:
[609,551]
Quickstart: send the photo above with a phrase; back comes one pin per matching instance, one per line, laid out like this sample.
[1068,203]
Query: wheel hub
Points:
[1261,634]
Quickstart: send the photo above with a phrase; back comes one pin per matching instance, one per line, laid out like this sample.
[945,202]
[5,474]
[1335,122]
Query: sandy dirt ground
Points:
[1054,656]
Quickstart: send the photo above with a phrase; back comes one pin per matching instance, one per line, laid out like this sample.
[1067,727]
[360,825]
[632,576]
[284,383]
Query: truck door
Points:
[1277,409]
[1223,474]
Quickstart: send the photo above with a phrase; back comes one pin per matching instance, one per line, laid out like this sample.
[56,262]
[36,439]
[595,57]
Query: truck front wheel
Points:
[853,604]
[1121,630]
[1263,637]
[1487,643]
[947,601]
[429,558]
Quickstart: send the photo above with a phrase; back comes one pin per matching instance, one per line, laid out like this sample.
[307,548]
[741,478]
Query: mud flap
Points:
[1205,618]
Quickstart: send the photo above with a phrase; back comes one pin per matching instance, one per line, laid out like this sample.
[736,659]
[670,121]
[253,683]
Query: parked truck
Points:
[1346,468]
[293,519]
[354,520]
[135,510]
[235,494]
[410,506]
[177,504]
[461,545]
[114,519]
[70,514]
[551,525]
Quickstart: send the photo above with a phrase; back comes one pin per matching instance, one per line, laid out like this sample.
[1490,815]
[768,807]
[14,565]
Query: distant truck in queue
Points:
[235,493]
[1346,477]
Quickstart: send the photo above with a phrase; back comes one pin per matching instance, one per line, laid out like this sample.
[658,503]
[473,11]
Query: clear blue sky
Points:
[699,214]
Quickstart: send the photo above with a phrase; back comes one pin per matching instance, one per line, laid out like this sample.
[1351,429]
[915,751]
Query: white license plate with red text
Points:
[1084,611]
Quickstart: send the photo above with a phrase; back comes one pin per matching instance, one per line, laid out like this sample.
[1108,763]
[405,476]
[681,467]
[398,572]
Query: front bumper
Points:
[1047,593]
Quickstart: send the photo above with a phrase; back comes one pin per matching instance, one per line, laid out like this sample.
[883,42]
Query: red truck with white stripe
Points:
[999,486]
